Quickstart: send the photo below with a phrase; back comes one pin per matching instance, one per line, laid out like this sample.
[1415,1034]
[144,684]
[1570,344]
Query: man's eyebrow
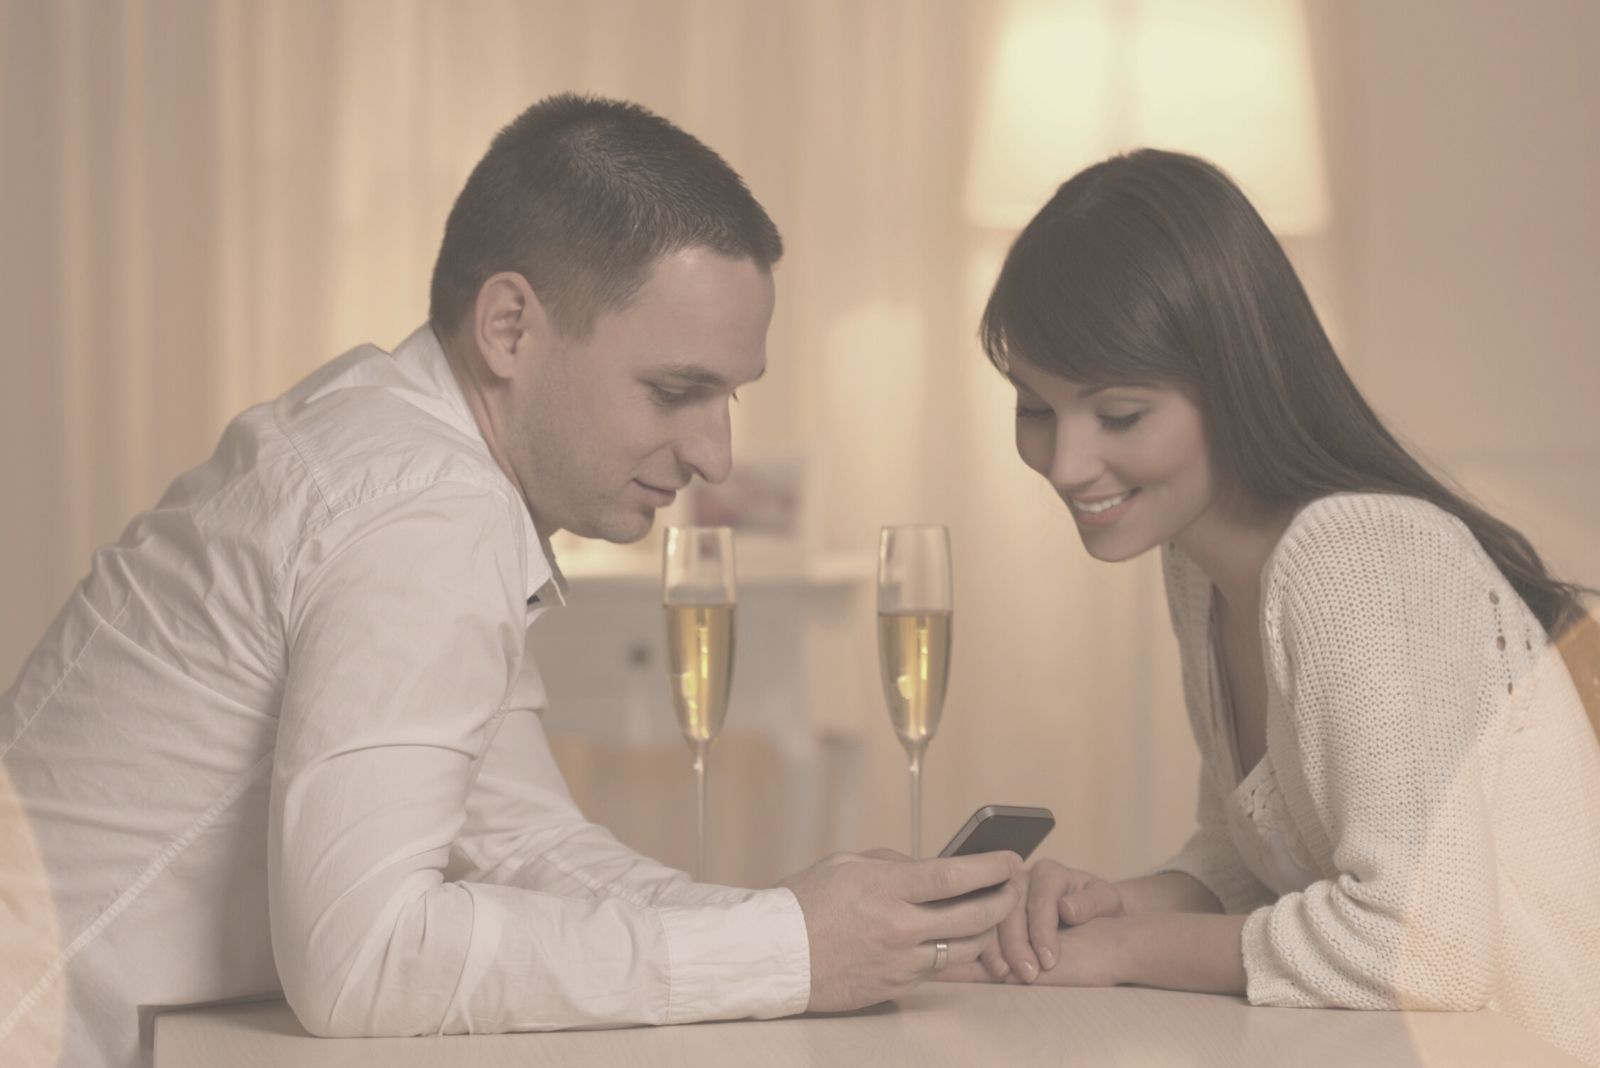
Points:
[692,374]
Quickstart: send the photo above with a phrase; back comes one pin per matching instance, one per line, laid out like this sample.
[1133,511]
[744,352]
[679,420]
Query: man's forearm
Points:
[1182,951]
[1167,891]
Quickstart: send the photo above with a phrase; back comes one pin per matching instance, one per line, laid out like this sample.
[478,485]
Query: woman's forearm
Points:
[1182,951]
[1167,891]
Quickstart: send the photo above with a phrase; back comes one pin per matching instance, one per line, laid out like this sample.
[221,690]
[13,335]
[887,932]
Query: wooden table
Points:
[938,1024]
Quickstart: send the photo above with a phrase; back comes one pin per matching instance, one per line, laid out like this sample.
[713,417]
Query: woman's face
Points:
[1130,462]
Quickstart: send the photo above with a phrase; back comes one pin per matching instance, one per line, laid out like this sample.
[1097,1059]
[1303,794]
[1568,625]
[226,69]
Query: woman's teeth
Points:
[1102,505]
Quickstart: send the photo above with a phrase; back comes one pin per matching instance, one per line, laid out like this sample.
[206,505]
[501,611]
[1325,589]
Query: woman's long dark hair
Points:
[1153,267]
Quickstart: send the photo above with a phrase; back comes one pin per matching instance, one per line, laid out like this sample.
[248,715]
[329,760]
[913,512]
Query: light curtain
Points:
[204,200]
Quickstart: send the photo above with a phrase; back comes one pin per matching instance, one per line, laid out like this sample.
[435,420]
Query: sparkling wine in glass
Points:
[914,618]
[698,595]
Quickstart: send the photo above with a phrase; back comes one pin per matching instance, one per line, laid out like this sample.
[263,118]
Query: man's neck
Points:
[466,367]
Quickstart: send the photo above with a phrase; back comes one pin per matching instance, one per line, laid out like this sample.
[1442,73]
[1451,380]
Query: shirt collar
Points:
[422,358]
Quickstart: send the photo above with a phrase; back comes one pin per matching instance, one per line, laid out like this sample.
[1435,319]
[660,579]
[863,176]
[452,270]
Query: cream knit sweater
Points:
[1432,766]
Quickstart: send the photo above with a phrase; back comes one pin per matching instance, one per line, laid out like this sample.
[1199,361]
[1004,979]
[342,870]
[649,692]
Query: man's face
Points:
[608,429]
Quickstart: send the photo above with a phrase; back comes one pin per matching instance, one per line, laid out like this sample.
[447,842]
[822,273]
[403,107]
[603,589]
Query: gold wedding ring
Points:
[941,953]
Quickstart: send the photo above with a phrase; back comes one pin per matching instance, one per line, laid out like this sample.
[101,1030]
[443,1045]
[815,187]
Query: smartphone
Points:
[1019,828]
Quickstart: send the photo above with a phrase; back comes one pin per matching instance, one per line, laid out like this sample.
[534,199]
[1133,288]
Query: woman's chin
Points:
[1110,550]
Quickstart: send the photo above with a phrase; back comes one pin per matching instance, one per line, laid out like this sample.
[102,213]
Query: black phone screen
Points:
[1019,828]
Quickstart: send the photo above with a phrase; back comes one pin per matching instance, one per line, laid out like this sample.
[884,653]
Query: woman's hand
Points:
[1091,954]
[1030,940]
[1197,951]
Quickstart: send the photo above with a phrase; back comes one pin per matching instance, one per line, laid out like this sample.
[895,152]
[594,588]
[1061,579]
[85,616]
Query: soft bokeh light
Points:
[1072,83]
[207,201]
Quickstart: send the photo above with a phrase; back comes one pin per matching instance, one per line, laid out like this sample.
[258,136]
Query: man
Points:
[285,736]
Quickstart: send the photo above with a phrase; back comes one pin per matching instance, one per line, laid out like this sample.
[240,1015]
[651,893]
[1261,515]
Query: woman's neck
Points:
[1231,543]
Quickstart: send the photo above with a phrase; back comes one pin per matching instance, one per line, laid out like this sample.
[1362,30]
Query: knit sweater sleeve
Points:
[1380,623]
[1210,858]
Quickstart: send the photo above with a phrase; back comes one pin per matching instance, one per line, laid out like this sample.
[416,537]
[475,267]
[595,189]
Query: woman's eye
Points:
[1121,422]
[1025,412]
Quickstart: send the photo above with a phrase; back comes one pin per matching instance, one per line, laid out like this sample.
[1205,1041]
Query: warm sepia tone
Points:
[203,201]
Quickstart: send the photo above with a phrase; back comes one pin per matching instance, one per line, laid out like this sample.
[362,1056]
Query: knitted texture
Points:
[1437,767]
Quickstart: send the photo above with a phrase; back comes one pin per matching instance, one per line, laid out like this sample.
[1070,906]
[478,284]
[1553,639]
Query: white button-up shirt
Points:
[285,736]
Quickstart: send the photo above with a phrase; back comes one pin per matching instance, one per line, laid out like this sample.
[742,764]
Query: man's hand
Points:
[872,920]
[1029,940]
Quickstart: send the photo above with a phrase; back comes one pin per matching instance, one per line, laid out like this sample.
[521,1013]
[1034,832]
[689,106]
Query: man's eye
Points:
[667,398]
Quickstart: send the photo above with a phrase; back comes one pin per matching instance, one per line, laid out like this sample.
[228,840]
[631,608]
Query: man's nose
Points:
[708,450]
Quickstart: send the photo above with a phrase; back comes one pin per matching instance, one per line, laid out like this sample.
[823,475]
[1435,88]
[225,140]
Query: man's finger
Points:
[975,915]
[963,953]
[923,881]
[966,973]
[994,962]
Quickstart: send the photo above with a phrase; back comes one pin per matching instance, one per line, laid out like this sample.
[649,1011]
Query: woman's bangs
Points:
[1076,313]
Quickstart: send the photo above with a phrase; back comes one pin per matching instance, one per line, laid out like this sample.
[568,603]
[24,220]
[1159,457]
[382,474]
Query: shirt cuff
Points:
[747,958]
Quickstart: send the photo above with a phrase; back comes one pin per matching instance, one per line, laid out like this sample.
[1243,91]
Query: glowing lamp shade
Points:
[1070,82]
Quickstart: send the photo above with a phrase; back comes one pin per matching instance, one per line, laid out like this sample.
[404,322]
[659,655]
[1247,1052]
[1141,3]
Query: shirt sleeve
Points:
[728,947]
[1382,626]
[405,627]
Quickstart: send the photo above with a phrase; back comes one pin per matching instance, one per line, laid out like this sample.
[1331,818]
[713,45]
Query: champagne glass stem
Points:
[702,751]
[915,770]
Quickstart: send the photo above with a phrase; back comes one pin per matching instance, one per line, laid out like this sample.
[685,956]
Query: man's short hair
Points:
[581,196]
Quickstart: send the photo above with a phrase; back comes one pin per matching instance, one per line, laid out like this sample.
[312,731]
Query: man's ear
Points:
[510,324]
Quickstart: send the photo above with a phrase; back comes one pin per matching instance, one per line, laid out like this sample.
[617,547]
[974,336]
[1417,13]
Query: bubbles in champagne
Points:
[914,655]
[700,667]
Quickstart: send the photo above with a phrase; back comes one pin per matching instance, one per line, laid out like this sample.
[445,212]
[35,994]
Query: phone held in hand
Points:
[1019,828]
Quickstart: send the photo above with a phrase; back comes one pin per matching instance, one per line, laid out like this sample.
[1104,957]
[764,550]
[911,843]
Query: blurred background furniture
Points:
[203,201]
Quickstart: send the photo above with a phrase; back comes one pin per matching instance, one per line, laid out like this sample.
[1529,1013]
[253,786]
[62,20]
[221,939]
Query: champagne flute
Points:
[698,595]
[914,617]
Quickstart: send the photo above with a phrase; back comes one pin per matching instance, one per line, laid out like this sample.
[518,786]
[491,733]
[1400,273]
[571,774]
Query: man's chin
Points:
[620,530]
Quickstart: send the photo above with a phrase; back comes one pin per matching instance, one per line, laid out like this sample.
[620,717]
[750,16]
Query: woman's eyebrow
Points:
[1086,391]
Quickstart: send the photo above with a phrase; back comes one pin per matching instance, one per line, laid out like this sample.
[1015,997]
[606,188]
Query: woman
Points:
[1400,794]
